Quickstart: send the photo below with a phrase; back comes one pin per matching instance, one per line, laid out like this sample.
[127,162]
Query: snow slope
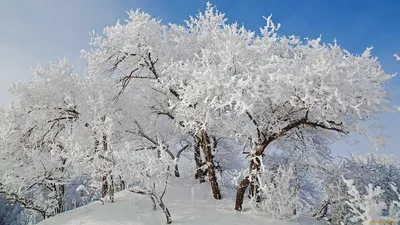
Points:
[189,204]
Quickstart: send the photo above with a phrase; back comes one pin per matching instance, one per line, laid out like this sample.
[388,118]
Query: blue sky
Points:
[33,32]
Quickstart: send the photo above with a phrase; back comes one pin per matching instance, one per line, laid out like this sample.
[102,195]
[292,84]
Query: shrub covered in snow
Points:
[372,175]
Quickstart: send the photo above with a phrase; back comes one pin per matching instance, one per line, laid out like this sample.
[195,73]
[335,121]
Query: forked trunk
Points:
[166,212]
[108,188]
[252,178]
[210,165]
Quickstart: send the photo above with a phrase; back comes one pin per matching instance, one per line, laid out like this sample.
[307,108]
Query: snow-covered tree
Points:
[35,166]
[220,79]
[56,114]
[210,86]
[272,85]
[137,51]
[144,170]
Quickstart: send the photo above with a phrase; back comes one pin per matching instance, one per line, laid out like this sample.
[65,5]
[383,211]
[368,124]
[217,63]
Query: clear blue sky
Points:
[37,31]
[355,24]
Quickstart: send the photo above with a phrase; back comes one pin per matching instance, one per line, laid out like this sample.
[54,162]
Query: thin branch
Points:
[168,114]
[180,151]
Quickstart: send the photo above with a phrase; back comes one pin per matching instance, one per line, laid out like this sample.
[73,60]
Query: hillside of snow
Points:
[189,204]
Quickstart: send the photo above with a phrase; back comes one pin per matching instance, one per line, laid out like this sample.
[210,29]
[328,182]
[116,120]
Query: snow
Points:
[189,204]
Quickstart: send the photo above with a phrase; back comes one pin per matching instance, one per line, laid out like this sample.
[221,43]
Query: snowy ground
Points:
[189,204]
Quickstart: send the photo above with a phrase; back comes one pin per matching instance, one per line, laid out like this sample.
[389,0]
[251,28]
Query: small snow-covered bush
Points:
[370,208]
[277,192]
[371,171]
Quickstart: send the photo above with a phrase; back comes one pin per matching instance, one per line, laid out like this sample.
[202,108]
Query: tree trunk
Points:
[251,181]
[240,193]
[60,198]
[254,170]
[254,183]
[121,185]
[210,165]
[60,190]
[322,210]
[166,212]
[160,202]
[111,189]
[104,187]
[197,158]
[176,170]
[107,188]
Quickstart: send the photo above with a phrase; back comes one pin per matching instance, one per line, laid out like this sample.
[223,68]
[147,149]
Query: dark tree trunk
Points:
[121,184]
[240,193]
[104,187]
[322,210]
[166,212]
[176,171]
[197,158]
[60,198]
[111,189]
[210,165]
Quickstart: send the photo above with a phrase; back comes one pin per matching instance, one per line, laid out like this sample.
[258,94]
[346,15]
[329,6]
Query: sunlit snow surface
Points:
[189,204]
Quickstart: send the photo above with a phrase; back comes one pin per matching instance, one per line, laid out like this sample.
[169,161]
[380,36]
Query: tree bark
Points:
[121,185]
[166,212]
[60,189]
[210,165]
[254,183]
[197,158]
[240,193]
[104,187]
[108,179]
[111,189]
[176,170]
[254,170]
[322,210]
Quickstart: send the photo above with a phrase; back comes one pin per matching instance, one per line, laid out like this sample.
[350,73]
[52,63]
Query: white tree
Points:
[62,127]
[144,171]
[220,79]
[136,51]
[268,86]
[212,79]
[35,163]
